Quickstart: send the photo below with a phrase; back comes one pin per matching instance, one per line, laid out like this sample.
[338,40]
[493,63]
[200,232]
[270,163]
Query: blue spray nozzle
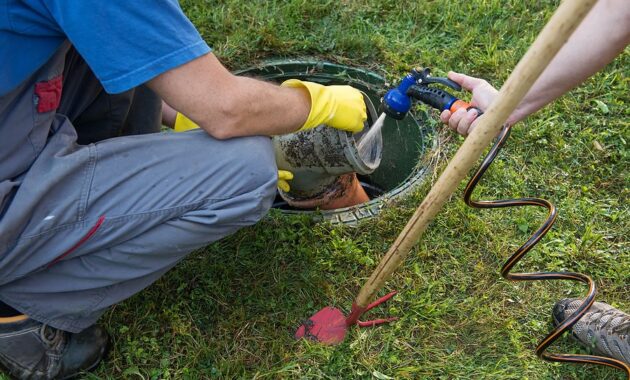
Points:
[396,102]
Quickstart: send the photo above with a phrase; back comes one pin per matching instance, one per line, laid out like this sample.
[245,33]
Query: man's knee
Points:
[258,162]
[251,168]
[240,180]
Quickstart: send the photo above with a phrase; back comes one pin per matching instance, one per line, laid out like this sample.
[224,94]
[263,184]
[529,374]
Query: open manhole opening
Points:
[407,144]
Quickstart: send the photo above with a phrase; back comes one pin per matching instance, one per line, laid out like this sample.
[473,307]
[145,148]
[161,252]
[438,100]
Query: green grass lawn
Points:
[229,310]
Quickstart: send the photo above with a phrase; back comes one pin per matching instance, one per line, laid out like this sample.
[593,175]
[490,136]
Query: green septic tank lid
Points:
[407,144]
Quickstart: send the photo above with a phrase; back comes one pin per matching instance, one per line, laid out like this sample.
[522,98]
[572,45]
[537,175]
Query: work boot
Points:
[603,329]
[32,350]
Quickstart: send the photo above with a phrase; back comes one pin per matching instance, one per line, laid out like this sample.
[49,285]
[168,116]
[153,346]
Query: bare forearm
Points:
[267,108]
[603,34]
[228,106]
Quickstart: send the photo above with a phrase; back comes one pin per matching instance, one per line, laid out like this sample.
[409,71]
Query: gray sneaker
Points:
[32,350]
[603,329]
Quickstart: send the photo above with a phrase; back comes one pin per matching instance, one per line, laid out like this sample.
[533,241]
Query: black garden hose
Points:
[526,247]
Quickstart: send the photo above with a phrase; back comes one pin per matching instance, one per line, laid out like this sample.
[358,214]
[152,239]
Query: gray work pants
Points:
[83,227]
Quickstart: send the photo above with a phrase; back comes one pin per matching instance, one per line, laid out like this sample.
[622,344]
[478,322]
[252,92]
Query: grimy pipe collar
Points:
[319,158]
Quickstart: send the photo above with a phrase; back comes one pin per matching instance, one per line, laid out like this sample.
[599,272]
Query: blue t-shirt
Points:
[125,42]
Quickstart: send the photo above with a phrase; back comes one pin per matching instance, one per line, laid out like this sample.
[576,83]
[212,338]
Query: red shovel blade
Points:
[327,326]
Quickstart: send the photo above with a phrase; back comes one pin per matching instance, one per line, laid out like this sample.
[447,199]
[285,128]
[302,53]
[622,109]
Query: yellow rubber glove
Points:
[283,177]
[340,107]
[182,123]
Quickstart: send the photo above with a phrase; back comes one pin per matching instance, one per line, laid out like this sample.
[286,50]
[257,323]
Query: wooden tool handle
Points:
[563,22]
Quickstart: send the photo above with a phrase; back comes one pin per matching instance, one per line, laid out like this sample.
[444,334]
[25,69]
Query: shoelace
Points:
[49,334]
[625,325]
[604,318]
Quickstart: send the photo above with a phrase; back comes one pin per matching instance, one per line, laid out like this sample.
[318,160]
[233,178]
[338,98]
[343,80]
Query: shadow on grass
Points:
[226,308]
